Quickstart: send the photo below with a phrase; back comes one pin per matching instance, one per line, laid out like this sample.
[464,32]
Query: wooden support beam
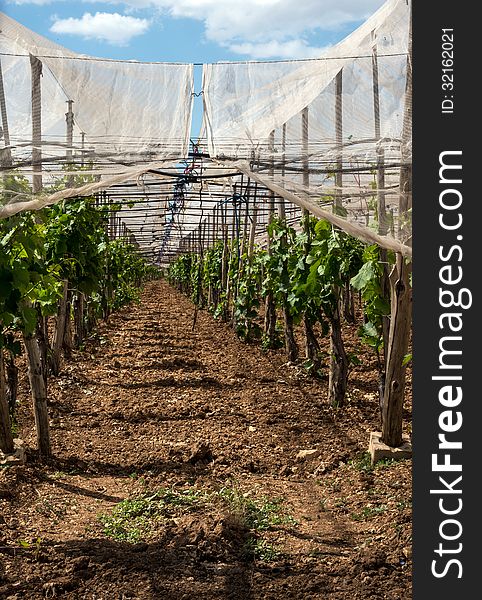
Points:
[69,136]
[381,207]
[252,232]
[354,229]
[339,140]
[36,72]
[69,139]
[6,438]
[39,395]
[6,153]
[401,300]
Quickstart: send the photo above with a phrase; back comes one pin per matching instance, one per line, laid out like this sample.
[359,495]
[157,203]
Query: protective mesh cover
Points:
[128,111]
[335,130]
[331,135]
[244,103]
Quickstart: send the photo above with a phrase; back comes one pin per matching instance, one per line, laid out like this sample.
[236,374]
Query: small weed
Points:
[368,512]
[259,515]
[35,546]
[386,462]
[132,519]
[353,359]
[363,463]
[135,519]
[259,549]
[14,427]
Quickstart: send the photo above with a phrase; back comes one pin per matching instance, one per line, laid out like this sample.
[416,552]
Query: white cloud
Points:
[37,2]
[298,48]
[264,28]
[251,19]
[259,28]
[113,28]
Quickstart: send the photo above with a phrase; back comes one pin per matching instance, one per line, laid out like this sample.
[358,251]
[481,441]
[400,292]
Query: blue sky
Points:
[196,31]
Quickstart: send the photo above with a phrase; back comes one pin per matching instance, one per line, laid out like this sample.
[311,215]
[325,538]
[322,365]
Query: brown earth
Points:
[152,404]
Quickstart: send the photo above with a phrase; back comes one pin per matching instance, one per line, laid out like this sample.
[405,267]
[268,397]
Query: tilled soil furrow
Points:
[152,403]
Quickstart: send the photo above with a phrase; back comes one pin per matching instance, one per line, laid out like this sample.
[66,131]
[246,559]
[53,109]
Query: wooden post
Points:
[405,198]
[230,249]
[79,329]
[400,325]
[208,231]
[41,336]
[283,151]
[215,224]
[291,347]
[305,150]
[306,166]
[5,154]
[69,136]
[82,145]
[381,211]
[224,261]
[401,301]
[245,226]
[339,140]
[338,373]
[312,347]
[6,438]
[67,341]
[12,384]
[39,395]
[252,232]
[270,307]
[59,331]
[271,174]
[36,71]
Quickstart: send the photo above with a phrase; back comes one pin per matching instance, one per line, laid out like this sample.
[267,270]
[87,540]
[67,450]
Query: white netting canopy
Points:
[335,130]
[245,102]
[331,135]
[123,108]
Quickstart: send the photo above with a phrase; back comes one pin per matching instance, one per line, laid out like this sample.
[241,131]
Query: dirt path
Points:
[152,404]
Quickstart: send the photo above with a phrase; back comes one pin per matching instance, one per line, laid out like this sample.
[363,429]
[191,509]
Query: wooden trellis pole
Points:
[82,145]
[401,301]
[252,232]
[381,208]
[6,438]
[69,139]
[36,71]
[290,343]
[312,347]
[270,308]
[59,330]
[339,140]
[216,224]
[39,394]
[6,153]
